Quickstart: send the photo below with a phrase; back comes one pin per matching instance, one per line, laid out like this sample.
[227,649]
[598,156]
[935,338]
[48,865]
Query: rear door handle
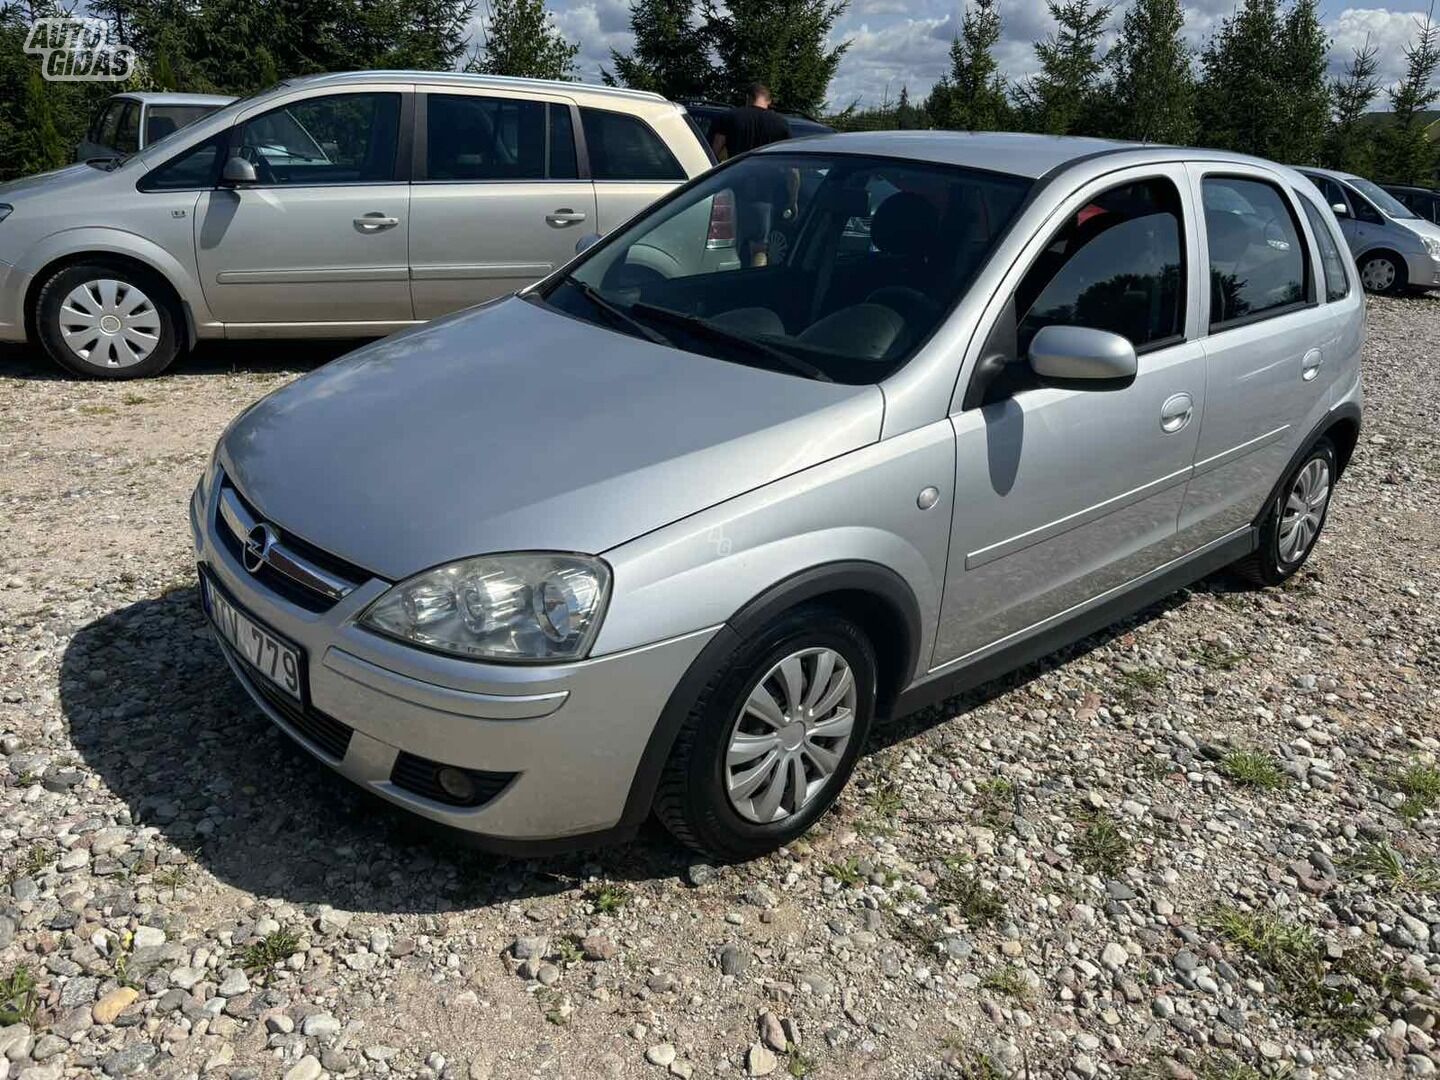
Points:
[1310,364]
[375,221]
[564,216]
[1176,412]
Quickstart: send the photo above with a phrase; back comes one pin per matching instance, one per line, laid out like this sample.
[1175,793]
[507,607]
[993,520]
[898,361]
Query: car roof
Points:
[1333,174]
[161,97]
[1414,189]
[1002,151]
[468,79]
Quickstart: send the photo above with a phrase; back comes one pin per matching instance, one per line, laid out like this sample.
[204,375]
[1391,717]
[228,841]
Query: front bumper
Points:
[12,302]
[572,734]
[1424,271]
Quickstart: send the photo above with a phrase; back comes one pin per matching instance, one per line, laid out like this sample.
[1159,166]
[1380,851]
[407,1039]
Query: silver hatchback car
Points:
[639,539]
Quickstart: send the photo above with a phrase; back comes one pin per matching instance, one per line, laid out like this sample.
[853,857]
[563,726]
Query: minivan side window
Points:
[470,137]
[107,116]
[1337,285]
[127,135]
[623,147]
[1364,210]
[340,139]
[1258,262]
[1117,264]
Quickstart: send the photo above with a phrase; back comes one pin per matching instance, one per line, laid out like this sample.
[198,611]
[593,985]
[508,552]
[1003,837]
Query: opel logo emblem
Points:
[258,543]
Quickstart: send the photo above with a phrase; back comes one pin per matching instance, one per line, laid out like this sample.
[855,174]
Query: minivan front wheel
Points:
[108,322]
[1293,521]
[1382,273]
[772,739]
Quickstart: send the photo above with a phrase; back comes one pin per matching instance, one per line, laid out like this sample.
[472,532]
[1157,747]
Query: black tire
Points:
[1398,279]
[691,799]
[1268,565]
[108,359]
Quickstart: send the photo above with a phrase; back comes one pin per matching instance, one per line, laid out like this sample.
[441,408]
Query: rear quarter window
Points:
[623,147]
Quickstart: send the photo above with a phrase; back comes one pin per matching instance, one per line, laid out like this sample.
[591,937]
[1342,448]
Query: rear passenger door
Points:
[1266,346]
[498,200]
[629,163]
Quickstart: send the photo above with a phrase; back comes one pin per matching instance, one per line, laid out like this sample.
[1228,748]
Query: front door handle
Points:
[375,221]
[1310,364]
[564,216]
[1176,412]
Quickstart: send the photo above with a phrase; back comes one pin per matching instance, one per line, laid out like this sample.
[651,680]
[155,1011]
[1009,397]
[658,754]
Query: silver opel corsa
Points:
[652,536]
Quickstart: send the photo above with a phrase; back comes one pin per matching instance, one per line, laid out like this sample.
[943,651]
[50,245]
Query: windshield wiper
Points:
[616,314]
[706,328]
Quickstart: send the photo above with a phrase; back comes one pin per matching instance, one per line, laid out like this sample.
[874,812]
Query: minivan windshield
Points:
[1388,204]
[826,266]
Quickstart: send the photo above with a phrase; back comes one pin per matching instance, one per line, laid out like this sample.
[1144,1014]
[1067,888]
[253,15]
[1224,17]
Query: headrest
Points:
[905,224]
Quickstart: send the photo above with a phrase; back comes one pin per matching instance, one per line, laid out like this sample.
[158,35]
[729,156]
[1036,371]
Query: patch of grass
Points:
[1253,768]
[994,799]
[551,1002]
[799,1063]
[1216,657]
[607,899]
[19,997]
[1101,847]
[885,800]
[967,1064]
[1420,784]
[977,904]
[170,877]
[36,858]
[847,873]
[568,951]
[1395,871]
[263,956]
[1214,1066]
[1008,980]
[1138,684]
[135,399]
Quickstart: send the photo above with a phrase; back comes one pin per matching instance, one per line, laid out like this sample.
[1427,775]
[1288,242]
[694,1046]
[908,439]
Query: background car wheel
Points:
[1382,273]
[1294,519]
[772,739]
[108,322]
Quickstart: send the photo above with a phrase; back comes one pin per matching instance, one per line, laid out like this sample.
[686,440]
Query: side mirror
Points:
[589,240]
[237,171]
[1341,210]
[1081,354]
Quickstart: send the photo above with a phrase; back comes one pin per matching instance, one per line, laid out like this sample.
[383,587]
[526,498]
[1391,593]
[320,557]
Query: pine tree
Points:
[519,38]
[1060,99]
[1240,100]
[783,43]
[1152,88]
[972,97]
[1350,145]
[671,56]
[1403,154]
[1305,89]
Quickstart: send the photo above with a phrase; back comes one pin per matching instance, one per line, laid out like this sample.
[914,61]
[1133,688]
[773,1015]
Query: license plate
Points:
[266,654]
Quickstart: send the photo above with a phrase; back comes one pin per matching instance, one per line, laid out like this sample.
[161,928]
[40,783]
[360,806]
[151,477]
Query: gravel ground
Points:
[1201,843]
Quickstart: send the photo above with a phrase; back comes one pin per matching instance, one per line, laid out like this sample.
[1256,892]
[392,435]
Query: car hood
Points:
[47,183]
[512,427]
[1423,228]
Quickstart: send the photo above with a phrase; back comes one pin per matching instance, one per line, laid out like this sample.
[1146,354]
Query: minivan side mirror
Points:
[238,171]
[1082,354]
[589,240]
[1341,210]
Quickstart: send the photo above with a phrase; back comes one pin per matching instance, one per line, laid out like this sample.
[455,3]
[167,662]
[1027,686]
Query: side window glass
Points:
[198,167]
[1116,265]
[1364,211]
[111,123]
[1333,192]
[484,138]
[127,135]
[342,139]
[1337,286]
[1257,259]
[102,117]
[624,148]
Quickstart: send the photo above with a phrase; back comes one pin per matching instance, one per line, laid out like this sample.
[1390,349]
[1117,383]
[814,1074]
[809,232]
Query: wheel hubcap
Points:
[790,735]
[109,323]
[1304,510]
[1377,275]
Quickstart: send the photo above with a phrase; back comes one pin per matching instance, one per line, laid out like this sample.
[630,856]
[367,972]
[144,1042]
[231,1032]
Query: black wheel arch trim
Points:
[879,582]
[1347,412]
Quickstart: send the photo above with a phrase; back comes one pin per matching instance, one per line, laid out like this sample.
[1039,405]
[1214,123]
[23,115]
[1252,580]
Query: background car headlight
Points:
[499,607]
[1432,246]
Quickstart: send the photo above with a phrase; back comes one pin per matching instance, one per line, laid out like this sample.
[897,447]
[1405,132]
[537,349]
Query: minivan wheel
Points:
[772,739]
[1294,519]
[107,322]
[1382,273]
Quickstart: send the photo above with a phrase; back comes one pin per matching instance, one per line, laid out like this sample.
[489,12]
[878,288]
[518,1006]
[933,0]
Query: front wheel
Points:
[106,322]
[1293,521]
[772,739]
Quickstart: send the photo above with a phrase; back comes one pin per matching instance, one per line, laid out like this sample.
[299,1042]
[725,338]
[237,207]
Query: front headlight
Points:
[1432,246]
[522,607]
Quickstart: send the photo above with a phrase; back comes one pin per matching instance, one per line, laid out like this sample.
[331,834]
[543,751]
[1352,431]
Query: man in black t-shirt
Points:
[737,131]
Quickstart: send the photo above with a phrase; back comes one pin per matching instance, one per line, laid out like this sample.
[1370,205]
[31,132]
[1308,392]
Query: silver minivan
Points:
[637,541]
[331,206]
[1394,247]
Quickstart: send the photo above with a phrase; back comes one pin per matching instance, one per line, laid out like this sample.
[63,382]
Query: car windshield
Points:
[1388,204]
[824,266]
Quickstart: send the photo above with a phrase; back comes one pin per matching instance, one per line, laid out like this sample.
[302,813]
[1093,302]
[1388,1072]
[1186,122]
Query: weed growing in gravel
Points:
[1252,768]
[1339,994]
[1008,980]
[19,999]
[968,1064]
[994,799]
[36,858]
[885,800]
[1215,1066]
[799,1063]
[263,956]
[1138,684]
[170,877]
[847,873]
[552,1005]
[1216,657]
[1101,847]
[607,899]
[568,951]
[965,892]
[1397,872]
[1420,784]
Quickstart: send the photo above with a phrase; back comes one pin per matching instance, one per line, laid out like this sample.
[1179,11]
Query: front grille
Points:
[420,776]
[325,733]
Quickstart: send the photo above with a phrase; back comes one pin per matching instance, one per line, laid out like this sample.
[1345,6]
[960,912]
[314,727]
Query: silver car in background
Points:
[332,206]
[128,123]
[1394,247]
[638,541]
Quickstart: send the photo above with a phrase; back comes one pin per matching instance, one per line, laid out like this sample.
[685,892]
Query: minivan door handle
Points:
[375,221]
[1310,364]
[1176,412]
[564,216]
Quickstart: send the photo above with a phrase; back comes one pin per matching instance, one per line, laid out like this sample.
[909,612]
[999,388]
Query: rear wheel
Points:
[1293,521]
[107,322]
[1381,272]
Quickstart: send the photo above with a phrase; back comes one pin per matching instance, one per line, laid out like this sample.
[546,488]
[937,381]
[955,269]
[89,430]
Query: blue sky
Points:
[899,42]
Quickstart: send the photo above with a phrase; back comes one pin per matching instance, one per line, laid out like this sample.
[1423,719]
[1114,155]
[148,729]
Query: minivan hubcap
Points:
[791,735]
[1304,509]
[109,323]
[1377,275]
